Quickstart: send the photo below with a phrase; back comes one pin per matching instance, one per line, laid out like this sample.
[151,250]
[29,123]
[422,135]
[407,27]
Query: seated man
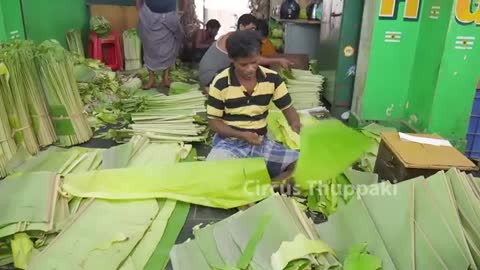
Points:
[204,39]
[238,103]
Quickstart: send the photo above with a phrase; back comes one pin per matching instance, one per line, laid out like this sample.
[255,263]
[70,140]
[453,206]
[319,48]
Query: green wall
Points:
[388,73]
[430,48]
[457,80]
[428,79]
[51,19]
[11,24]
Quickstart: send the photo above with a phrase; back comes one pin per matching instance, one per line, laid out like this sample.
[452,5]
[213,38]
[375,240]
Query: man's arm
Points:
[139,3]
[200,41]
[284,63]
[283,101]
[293,119]
[222,129]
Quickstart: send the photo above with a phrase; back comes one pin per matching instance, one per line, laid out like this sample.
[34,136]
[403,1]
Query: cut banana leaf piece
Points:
[160,256]
[341,233]
[117,157]
[297,249]
[37,203]
[201,183]
[188,256]
[104,247]
[327,150]
[359,259]
[145,248]
[22,249]
[395,226]
[205,239]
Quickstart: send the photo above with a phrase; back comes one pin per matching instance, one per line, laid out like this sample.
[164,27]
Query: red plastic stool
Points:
[106,49]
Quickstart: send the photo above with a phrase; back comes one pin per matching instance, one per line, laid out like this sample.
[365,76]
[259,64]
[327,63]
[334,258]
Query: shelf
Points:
[312,22]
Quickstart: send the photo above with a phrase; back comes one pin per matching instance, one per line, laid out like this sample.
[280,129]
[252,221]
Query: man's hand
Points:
[296,126]
[285,63]
[252,138]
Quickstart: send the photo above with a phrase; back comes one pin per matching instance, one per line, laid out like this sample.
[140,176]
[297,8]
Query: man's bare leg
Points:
[166,78]
[152,80]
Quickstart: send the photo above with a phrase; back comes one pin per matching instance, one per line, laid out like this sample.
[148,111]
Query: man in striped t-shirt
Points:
[238,104]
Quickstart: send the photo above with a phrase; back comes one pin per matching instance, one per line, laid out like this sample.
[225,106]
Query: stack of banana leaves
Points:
[417,224]
[175,118]
[75,43]
[65,191]
[304,87]
[132,48]
[272,235]
[8,147]
[24,80]
[46,228]
[56,73]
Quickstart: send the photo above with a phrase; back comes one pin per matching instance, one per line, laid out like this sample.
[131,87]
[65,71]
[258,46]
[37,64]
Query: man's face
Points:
[246,67]
[251,26]
[212,32]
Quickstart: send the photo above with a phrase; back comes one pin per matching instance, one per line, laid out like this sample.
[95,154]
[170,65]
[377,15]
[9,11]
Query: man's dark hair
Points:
[243,44]
[213,24]
[262,27]
[246,19]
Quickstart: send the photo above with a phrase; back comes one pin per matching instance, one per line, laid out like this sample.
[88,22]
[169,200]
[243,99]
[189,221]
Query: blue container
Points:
[473,135]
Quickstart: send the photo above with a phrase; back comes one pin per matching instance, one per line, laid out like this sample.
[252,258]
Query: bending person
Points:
[162,36]
[216,58]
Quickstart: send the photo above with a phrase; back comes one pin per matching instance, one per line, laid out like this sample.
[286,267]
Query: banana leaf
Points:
[202,183]
[145,248]
[359,259]
[328,149]
[160,256]
[37,203]
[22,248]
[301,247]
[104,247]
[247,240]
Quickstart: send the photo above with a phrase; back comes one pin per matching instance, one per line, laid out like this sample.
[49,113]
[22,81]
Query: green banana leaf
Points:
[92,241]
[36,203]
[160,256]
[247,240]
[327,150]
[359,259]
[298,249]
[22,248]
[220,184]
[145,248]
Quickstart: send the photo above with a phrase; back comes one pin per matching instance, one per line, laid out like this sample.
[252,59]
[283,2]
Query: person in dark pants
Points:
[204,38]
[162,36]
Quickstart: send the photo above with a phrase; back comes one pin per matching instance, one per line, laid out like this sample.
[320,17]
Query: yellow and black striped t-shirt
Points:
[228,100]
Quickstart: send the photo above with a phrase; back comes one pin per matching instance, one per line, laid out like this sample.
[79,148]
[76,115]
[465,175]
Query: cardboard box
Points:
[399,160]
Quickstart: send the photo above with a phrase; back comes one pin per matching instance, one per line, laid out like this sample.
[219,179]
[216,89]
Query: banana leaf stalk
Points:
[56,71]
[132,49]
[24,79]
[16,108]
[7,144]
[74,41]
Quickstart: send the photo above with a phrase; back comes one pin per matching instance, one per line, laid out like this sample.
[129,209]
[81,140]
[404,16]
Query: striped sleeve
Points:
[281,97]
[215,103]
